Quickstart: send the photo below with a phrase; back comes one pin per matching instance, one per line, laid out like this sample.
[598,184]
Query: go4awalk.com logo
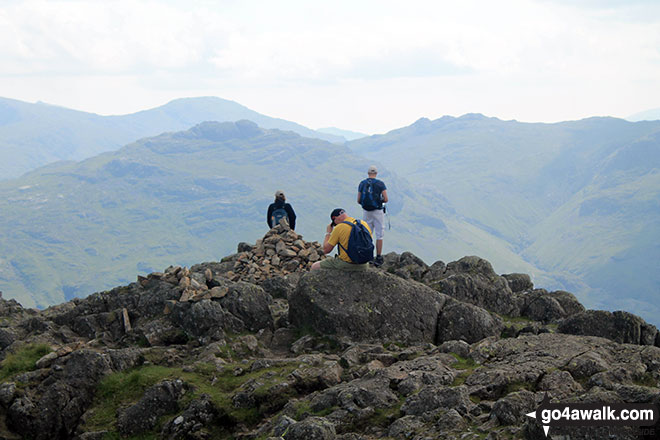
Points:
[594,414]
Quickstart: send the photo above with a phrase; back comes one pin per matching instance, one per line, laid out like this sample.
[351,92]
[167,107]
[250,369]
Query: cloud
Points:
[554,54]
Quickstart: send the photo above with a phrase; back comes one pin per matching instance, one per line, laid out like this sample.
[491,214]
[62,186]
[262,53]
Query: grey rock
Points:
[434,397]
[278,287]
[6,338]
[450,421]
[406,265]
[559,384]
[511,409]
[406,427]
[243,247]
[7,393]
[312,428]
[467,322]
[622,327]
[544,306]
[57,402]
[249,303]
[518,282]
[460,348]
[157,401]
[472,280]
[366,306]
[196,420]
[282,424]
[205,318]
[434,273]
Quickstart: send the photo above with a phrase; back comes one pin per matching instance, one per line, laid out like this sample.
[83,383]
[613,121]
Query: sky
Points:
[361,65]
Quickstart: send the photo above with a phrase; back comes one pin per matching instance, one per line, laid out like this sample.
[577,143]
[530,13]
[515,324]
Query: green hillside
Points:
[71,229]
[578,199]
[33,135]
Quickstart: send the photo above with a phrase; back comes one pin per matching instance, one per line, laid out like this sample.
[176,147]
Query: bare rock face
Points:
[366,306]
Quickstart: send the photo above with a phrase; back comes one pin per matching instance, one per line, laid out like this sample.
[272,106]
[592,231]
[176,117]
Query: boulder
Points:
[366,306]
[472,280]
[312,428]
[205,319]
[407,265]
[511,409]
[518,282]
[466,322]
[622,327]
[249,303]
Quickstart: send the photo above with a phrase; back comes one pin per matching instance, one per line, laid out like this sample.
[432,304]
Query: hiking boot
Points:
[378,261]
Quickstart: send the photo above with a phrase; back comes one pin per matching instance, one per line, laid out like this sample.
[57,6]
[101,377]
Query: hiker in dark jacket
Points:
[278,209]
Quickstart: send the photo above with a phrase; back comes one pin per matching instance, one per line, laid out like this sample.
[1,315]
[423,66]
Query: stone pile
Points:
[280,252]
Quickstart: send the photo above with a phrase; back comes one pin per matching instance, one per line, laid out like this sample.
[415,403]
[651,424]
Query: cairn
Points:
[280,252]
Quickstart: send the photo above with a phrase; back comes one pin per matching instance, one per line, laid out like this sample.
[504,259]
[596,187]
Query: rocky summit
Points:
[257,347]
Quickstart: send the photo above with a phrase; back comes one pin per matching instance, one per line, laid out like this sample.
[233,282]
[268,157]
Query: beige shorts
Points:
[339,264]
[376,221]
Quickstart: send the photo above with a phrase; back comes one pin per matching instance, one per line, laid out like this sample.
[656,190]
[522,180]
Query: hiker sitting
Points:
[278,210]
[338,233]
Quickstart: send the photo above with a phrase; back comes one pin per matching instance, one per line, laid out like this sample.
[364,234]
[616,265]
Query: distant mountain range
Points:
[574,204]
[648,115]
[70,229]
[346,134]
[33,135]
[577,199]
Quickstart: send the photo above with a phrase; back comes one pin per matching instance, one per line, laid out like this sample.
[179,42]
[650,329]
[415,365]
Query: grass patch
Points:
[123,389]
[466,368]
[23,360]
[646,380]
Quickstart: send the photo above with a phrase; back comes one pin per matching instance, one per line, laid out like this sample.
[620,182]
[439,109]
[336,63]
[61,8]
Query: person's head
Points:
[372,171]
[279,194]
[338,215]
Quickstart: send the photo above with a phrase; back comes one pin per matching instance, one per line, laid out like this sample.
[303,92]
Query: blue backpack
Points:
[360,244]
[369,197]
[278,215]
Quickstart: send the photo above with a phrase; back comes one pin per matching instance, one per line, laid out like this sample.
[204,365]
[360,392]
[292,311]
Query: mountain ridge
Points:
[32,135]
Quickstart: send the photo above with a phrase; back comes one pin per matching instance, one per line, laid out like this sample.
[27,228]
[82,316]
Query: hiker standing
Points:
[372,193]
[280,209]
[338,233]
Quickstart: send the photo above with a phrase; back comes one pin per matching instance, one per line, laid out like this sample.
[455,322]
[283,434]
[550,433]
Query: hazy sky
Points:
[368,66]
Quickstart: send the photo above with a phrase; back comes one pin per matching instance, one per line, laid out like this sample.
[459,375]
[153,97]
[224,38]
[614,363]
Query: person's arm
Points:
[292,215]
[327,247]
[384,196]
[268,214]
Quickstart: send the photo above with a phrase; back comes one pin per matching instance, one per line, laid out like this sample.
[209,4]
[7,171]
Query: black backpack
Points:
[369,198]
[360,244]
[278,215]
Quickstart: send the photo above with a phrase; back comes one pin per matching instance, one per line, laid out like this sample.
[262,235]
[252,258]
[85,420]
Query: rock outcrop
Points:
[246,348]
